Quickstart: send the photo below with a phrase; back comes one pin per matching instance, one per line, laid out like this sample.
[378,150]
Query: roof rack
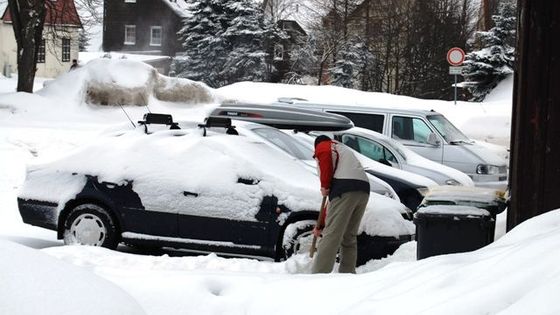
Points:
[219,122]
[158,119]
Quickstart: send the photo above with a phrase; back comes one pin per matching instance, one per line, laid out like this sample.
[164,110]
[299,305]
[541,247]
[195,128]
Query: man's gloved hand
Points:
[317,231]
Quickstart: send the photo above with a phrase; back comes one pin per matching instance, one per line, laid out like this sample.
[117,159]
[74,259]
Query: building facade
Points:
[143,26]
[58,48]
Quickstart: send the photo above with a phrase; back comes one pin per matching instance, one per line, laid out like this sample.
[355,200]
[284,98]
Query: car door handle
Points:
[188,193]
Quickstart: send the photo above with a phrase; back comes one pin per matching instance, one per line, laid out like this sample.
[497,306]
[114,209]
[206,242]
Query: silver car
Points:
[390,152]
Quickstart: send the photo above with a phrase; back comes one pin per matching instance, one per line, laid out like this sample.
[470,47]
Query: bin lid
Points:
[454,210]
[489,199]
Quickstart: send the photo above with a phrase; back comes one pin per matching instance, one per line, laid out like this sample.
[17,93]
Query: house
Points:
[293,18]
[147,27]
[59,45]
[281,50]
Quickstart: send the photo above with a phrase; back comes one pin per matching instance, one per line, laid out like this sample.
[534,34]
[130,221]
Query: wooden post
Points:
[535,136]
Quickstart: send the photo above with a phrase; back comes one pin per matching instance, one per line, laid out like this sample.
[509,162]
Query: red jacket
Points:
[339,169]
[324,157]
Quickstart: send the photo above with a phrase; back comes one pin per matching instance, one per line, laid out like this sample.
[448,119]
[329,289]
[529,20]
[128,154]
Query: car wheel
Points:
[90,224]
[298,237]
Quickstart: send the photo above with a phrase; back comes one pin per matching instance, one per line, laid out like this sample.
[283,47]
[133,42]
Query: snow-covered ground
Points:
[517,274]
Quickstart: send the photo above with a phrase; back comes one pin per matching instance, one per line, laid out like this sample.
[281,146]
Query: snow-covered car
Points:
[192,189]
[385,150]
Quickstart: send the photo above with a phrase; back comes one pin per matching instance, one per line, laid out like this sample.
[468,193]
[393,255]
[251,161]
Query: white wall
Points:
[53,65]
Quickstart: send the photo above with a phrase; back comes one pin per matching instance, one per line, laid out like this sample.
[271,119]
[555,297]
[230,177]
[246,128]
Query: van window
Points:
[371,149]
[449,132]
[369,121]
[410,128]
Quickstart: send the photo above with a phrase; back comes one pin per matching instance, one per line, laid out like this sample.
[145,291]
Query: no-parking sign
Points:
[455,56]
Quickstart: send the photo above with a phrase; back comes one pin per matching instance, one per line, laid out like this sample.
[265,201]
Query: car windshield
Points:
[449,132]
[286,143]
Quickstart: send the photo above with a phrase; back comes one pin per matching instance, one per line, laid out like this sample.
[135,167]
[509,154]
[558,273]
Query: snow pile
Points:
[36,283]
[208,166]
[518,274]
[124,82]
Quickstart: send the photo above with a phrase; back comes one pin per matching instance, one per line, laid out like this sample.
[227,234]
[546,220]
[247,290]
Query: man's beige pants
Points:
[341,228]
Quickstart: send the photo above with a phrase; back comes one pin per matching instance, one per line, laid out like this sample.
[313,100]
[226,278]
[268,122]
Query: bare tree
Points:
[28,22]
[28,19]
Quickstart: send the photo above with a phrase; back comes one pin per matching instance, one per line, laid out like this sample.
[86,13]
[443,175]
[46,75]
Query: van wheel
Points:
[90,224]
[297,238]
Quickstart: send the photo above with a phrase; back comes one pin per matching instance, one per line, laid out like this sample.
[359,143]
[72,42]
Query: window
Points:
[278,52]
[369,121]
[130,34]
[41,52]
[285,142]
[410,128]
[155,36]
[65,49]
[449,132]
[371,149]
[129,1]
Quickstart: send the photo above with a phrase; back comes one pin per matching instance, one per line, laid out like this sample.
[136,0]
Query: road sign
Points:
[456,70]
[455,56]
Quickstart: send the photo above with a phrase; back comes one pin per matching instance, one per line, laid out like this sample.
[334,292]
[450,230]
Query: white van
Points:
[429,134]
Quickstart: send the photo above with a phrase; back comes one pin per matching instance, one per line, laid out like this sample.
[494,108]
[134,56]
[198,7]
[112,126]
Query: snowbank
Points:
[518,274]
[36,283]
[124,82]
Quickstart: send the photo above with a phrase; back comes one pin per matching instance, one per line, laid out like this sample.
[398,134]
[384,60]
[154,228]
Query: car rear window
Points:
[369,121]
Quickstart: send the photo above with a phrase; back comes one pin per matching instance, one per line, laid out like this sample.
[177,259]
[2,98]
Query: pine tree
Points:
[245,35]
[486,67]
[224,42]
[205,46]
[347,67]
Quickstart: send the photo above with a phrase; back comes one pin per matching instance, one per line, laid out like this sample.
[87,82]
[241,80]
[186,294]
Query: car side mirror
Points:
[433,140]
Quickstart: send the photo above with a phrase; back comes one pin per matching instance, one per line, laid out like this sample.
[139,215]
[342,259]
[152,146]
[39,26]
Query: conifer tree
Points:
[486,67]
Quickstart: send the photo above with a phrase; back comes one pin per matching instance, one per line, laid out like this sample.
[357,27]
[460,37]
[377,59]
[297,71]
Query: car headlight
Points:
[487,169]
[452,182]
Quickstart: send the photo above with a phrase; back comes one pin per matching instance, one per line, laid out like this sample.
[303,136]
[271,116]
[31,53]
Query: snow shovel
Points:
[319,220]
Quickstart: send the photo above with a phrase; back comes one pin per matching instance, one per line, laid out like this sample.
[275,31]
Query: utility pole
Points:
[535,135]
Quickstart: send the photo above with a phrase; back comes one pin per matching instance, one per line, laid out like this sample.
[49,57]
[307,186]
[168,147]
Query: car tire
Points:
[90,224]
[297,238]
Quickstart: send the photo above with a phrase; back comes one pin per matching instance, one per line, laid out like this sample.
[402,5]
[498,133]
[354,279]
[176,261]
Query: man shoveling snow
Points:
[344,181]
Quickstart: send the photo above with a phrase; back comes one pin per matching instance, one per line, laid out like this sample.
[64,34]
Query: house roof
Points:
[180,7]
[305,12]
[61,12]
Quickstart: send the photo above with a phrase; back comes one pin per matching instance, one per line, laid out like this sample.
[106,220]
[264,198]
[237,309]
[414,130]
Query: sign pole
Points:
[455,89]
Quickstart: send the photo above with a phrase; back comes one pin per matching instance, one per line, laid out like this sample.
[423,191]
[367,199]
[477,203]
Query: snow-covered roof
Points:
[305,12]
[179,6]
[62,12]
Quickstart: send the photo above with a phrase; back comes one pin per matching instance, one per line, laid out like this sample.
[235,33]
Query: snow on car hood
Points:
[165,164]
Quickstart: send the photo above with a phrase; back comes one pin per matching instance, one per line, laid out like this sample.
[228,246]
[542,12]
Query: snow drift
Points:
[125,82]
[36,283]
